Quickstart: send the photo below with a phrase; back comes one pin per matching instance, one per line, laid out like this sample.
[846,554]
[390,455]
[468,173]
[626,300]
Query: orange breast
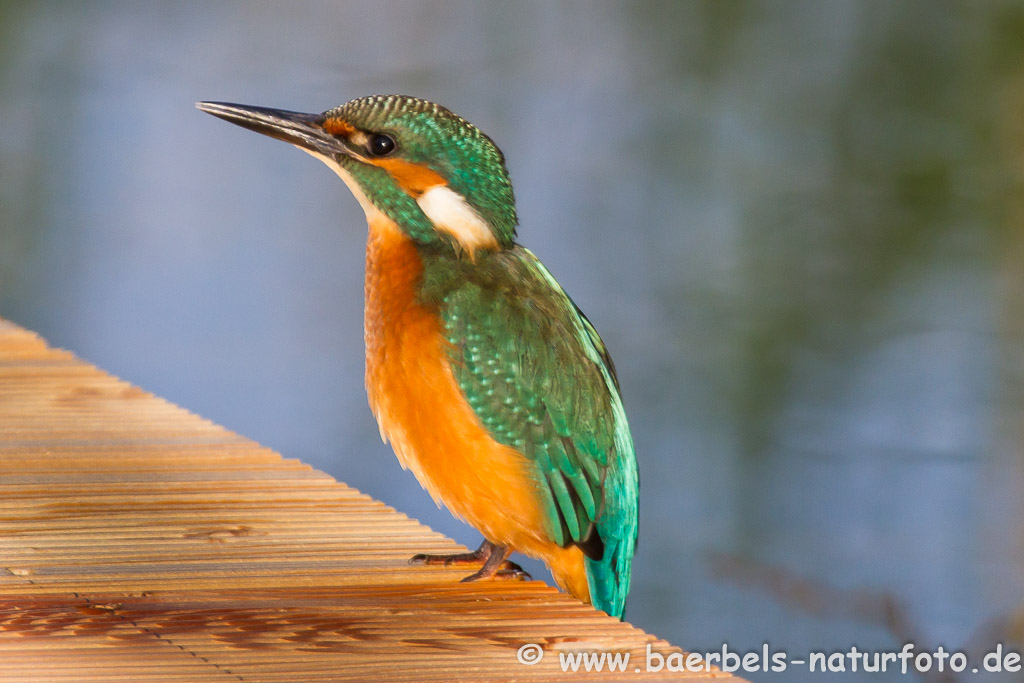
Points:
[435,433]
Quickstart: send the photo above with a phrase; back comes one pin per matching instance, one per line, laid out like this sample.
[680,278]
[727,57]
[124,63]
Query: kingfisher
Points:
[490,383]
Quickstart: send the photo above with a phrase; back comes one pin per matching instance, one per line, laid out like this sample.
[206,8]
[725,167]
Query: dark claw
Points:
[516,574]
[511,566]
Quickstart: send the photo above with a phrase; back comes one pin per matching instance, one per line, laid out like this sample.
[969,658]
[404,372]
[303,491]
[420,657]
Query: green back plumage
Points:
[539,378]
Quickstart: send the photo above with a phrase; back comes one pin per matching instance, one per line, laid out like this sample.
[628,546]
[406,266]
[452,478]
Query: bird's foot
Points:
[494,557]
[481,554]
[498,566]
[509,571]
[446,560]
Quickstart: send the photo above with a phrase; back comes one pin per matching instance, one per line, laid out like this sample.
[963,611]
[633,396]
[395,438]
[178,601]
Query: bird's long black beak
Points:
[303,130]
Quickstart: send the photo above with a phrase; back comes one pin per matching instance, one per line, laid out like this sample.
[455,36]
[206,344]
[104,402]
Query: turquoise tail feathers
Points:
[609,577]
[617,524]
[619,518]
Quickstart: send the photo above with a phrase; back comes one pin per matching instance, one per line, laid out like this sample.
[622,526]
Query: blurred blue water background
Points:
[797,226]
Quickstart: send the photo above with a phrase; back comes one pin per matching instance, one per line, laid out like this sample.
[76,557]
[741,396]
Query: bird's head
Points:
[434,174]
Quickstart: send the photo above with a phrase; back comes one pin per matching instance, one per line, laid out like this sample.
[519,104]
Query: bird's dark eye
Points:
[382,145]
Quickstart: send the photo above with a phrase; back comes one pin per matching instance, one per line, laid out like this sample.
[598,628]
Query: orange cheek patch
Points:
[413,178]
[336,126]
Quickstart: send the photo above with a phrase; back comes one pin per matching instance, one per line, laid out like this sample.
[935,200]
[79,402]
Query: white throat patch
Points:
[446,209]
[450,213]
[373,214]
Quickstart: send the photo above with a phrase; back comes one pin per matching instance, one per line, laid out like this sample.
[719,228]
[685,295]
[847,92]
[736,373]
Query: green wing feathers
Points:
[539,378]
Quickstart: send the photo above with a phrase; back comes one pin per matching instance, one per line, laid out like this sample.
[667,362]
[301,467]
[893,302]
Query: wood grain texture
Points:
[140,542]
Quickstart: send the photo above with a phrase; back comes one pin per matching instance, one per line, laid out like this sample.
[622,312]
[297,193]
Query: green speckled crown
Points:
[430,134]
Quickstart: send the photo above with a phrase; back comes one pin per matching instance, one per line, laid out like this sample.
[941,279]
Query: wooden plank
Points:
[140,542]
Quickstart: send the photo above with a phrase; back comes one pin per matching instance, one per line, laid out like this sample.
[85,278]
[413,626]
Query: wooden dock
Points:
[140,542]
